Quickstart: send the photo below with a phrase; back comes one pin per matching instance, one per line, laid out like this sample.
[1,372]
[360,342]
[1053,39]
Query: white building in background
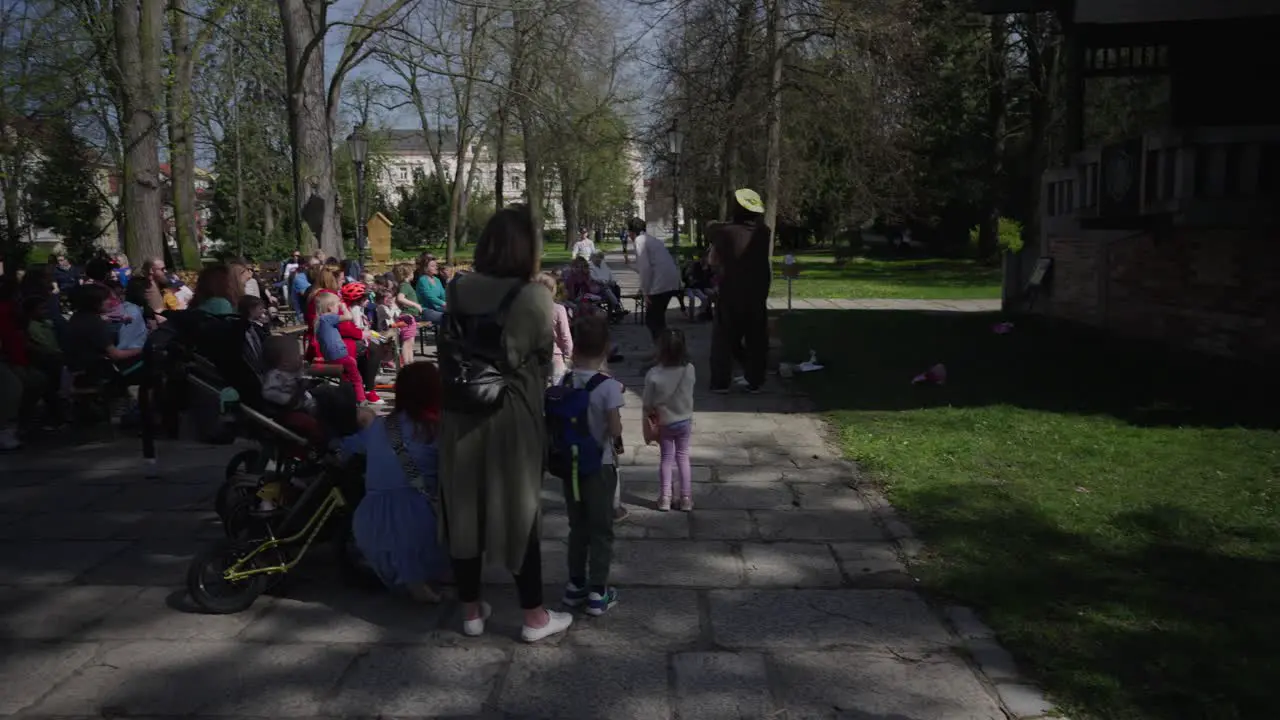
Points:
[639,188]
[404,153]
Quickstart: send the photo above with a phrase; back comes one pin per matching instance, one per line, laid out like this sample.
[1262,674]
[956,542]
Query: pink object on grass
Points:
[936,375]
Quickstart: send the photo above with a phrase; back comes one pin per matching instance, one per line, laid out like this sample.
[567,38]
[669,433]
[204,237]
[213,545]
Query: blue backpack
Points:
[574,451]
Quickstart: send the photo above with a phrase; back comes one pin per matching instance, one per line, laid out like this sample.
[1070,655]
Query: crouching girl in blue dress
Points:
[395,525]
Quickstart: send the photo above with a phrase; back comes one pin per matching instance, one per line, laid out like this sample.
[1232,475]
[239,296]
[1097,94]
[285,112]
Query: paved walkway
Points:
[989,305]
[781,596]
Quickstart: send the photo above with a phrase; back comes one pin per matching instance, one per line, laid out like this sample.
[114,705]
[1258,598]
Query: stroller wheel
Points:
[209,587]
[241,462]
[244,521]
[231,494]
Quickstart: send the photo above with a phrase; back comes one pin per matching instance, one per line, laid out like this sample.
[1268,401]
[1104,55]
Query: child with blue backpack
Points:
[585,428]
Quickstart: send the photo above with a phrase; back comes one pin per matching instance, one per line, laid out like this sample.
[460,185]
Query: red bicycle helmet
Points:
[354,292]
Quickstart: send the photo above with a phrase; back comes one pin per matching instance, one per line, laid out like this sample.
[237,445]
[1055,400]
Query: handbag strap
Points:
[411,472]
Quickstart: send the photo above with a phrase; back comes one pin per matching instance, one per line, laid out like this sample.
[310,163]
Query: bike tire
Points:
[211,592]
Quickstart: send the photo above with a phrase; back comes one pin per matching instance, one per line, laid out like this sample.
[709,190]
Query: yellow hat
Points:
[750,200]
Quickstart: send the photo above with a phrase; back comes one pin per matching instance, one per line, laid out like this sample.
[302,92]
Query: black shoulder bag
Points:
[472,356]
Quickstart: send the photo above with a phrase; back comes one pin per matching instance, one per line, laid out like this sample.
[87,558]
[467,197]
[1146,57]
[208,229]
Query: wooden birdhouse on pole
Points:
[380,238]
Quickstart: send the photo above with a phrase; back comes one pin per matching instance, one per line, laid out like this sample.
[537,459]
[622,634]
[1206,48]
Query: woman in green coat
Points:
[491,464]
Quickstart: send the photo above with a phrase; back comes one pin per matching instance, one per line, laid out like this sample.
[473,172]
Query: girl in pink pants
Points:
[668,401]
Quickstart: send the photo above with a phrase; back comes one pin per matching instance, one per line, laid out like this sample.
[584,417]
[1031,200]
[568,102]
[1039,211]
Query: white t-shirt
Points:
[584,248]
[251,288]
[658,270]
[607,396]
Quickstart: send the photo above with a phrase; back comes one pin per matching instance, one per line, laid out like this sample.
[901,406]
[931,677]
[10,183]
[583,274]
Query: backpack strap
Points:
[411,472]
[510,297]
[595,381]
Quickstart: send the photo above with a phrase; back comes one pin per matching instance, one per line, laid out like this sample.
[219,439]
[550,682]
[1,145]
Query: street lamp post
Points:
[358,144]
[675,142]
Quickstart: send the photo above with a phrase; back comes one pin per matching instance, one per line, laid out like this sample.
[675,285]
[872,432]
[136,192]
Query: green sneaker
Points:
[598,604]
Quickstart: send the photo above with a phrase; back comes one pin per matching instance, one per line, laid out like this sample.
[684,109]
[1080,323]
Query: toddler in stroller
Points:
[319,413]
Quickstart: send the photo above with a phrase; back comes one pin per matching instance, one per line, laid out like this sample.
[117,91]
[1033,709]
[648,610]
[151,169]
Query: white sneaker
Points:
[9,440]
[740,381]
[557,622]
[475,628]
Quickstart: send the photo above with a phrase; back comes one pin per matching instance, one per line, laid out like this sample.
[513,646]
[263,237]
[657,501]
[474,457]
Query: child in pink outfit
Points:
[668,395]
[392,320]
[560,326]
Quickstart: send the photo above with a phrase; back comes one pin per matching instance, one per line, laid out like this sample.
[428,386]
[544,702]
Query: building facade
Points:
[1171,235]
[405,153]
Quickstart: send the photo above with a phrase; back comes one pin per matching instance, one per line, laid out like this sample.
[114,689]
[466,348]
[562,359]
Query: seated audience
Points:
[217,291]
[698,286]
[390,319]
[330,314]
[320,413]
[603,276]
[91,350]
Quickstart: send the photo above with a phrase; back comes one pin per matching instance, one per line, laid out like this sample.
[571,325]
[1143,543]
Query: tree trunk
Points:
[1043,51]
[424,121]
[773,156]
[137,32]
[11,184]
[997,70]
[460,160]
[268,220]
[455,198]
[499,158]
[737,74]
[524,83]
[304,24]
[569,201]
[464,211]
[182,151]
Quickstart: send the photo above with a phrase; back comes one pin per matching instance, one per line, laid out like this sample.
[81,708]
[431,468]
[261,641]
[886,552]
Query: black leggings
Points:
[368,364]
[466,574]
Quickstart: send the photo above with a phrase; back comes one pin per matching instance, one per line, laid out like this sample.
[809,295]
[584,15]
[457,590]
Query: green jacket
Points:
[430,293]
[43,340]
[491,465]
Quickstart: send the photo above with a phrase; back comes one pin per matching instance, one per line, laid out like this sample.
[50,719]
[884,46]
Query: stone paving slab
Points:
[919,686]
[221,678]
[722,686]
[30,670]
[780,596]
[419,681]
[586,683]
[819,619]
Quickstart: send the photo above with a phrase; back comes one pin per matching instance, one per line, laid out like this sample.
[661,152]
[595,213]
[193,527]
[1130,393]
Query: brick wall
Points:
[1075,293]
[1215,290]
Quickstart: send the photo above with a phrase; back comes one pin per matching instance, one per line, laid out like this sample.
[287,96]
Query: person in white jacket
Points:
[584,248]
[659,276]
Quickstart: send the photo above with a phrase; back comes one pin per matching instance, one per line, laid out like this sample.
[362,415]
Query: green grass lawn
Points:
[1111,510]
[860,277]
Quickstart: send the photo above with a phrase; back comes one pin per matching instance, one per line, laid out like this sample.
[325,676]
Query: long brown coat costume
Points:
[491,466]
